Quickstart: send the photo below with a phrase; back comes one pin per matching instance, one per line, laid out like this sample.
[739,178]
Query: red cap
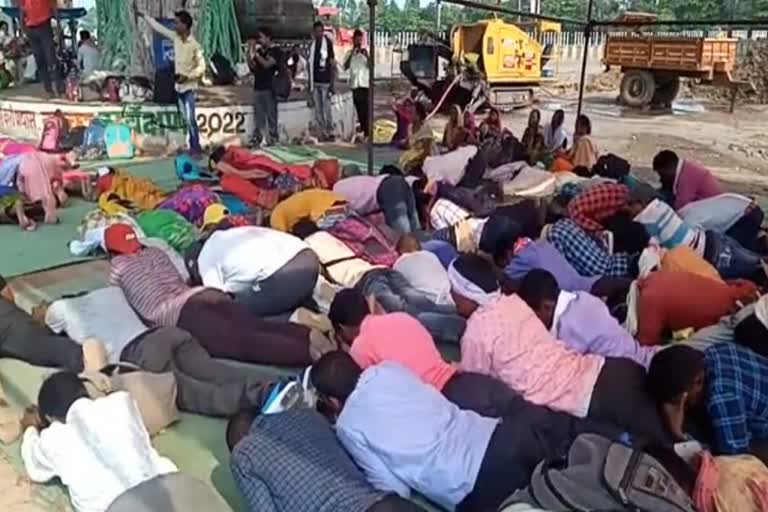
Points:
[121,239]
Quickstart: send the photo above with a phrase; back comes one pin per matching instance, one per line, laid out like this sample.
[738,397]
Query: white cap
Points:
[102,171]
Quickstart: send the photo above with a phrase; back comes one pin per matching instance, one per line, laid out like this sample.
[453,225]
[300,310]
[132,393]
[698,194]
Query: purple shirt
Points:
[694,182]
[360,192]
[544,255]
[584,324]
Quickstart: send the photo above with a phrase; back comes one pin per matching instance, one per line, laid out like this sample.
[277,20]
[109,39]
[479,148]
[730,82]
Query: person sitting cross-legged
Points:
[405,435]
[292,461]
[726,386]
[580,320]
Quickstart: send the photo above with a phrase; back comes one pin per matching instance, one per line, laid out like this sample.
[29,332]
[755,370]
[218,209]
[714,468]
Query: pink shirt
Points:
[37,171]
[360,192]
[400,338]
[694,182]
[506,340]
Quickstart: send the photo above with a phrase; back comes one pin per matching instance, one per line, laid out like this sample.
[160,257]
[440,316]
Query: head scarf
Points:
[466,288]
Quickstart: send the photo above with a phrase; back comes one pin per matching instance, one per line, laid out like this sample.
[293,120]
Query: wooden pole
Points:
[371,78]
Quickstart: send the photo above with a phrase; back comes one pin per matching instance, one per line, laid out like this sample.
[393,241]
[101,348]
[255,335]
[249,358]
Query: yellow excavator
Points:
[488,62]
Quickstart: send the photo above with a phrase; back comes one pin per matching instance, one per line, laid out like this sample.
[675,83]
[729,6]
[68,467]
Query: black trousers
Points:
[24,339]
[485,395]
[360,98]
[620,398]
[394,503]
[747,228]
[205,385]
[44,49]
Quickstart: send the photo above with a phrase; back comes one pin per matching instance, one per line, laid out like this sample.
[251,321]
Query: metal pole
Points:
[587,37]
[439,23]
[371,77]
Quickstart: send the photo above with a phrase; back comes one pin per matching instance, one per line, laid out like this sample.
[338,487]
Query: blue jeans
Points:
[321,98]
[395,293]
[187,108]
[395,198]
[731,259]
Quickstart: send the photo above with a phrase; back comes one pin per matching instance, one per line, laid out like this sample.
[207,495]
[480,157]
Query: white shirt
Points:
[358,70]
[101,451]
[425,272]
[449,167]
[237,259]
[88,59]
[102,314]
[718,213]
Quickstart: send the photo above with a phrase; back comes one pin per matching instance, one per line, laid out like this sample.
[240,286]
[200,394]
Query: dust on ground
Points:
[17,493]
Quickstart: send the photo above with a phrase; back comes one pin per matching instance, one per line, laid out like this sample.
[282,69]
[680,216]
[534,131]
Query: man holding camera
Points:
[264,59]
[356,62]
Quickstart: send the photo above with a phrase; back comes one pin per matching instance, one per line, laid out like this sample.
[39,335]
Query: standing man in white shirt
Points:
[87,55]
[356,62]
[190,68]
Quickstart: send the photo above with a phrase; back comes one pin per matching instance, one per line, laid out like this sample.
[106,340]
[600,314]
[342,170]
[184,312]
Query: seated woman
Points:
[532,130]
[491,127]
[405,112]
[420,141]
[555,138]
[460,129]
[584,152]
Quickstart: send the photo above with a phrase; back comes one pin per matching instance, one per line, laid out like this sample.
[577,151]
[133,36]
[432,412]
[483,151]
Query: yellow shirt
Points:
[685,259]
[311,203]
[188,55]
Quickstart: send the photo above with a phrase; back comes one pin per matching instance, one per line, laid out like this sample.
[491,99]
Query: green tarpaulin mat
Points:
[22,252]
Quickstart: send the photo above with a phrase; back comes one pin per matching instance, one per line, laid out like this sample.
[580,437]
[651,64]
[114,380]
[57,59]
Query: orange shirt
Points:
[679,300]
[36,12]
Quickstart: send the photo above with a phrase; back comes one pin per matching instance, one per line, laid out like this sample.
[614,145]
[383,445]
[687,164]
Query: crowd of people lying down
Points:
[601,348]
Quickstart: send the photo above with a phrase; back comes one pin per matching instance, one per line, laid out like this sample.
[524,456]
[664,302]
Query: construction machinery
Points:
[652,65]
[490,61]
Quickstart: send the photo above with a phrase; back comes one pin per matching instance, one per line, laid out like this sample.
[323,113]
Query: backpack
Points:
[72,88]
[118,139]
[54,130]
[136,89]
[169,226]
[223,73]
[365,239]
[600,474]
[611,166]
[74,138]
[189,169]
[93,138]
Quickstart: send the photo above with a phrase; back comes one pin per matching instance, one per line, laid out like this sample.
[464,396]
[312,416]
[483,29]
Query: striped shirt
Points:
[152,286]
[663,223]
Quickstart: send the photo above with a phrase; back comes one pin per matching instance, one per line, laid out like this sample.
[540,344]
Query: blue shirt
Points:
[587,256]
[542,254]
[737,385]
[292,461]
[405,435]
[9,166]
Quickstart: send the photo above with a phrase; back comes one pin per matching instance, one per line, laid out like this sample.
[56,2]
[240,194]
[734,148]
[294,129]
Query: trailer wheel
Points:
[666,91]
[637,88]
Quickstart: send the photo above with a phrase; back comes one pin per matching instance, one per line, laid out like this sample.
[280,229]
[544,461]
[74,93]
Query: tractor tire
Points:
[667,89]
[637,88]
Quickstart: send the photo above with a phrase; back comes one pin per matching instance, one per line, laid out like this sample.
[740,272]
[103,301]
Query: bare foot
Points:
[49,205]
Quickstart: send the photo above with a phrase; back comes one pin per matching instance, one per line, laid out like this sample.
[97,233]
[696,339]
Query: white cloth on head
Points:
[633,297]
[650,260]
[555,139]
[761,310]
[466,288]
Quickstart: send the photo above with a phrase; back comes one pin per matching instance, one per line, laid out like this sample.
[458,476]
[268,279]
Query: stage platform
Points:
[224,114]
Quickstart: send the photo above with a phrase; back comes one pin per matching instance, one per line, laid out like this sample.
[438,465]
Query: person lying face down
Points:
[423,270]
[670,301]
[580,320]
[456,458]
[726,383]
[160,295]
[206,386]
[98,448]
[266,447]
[389,193]
[685,180]
[730,258]
[391,289]
[505,339]
[21,337]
